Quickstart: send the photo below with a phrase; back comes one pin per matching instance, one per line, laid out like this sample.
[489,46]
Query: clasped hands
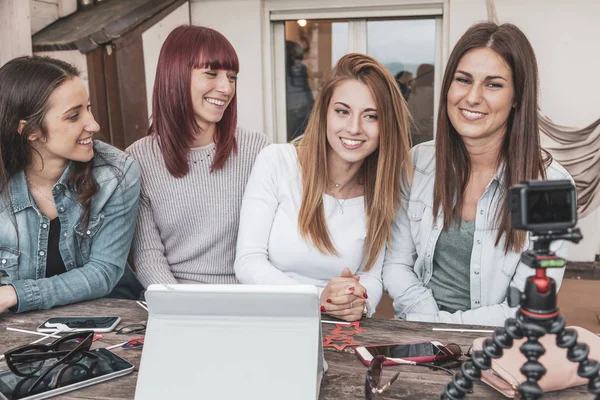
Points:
[344,297]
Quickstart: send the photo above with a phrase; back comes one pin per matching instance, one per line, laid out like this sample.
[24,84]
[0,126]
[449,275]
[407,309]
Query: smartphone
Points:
[96,324]
[401,353]
[95,366]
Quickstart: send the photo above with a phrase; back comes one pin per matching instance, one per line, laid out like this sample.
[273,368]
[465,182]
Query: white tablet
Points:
[231,341]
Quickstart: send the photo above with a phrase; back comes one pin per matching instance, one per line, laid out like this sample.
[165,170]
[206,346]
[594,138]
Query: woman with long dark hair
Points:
[68,203]
[318,211]
[195,163]
[453,253]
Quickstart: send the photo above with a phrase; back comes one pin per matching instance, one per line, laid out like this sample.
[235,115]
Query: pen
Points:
[335,322]
[463,330]
[46,335]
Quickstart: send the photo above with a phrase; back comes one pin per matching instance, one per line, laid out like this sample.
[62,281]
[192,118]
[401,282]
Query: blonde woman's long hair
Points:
[383,173]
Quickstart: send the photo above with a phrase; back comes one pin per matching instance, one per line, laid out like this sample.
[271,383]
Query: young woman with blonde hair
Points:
[319,211]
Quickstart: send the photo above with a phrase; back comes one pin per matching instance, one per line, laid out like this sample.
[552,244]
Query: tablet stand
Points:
[537,315]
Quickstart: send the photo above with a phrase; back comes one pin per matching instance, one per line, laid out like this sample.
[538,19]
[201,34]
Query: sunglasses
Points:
[132,329]
[26,361]
[64,374]
[373,378]
[446,354]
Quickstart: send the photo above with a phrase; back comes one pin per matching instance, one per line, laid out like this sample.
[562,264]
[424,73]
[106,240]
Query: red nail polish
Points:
[351,289]
[365,296]
[322,308]
[329,300]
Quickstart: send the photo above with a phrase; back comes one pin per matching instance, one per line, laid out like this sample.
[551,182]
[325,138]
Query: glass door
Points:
[406,46]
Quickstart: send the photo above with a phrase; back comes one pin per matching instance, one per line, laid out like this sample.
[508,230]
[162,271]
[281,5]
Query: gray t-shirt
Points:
[450,282]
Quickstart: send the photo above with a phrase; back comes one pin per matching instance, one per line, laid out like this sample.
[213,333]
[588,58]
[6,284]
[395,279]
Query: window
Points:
[406,37]
[407,48]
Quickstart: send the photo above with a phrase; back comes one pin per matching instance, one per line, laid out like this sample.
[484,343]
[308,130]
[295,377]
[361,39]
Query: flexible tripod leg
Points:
[502,338]
[577,352]
[532,349]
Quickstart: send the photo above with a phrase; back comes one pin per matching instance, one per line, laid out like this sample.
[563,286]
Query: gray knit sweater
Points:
[187,227]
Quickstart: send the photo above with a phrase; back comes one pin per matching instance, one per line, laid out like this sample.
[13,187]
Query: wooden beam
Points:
[15,30]
[113,97]
[97,84]
[132,91]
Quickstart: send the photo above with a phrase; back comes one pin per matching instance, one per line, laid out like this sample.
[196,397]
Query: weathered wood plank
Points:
[43,13]
[15,30]
[66,7]
[99,24]
[343,381]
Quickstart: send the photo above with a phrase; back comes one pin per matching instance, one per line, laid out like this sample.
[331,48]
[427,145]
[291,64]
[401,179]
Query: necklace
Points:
[341,203]
[37,189]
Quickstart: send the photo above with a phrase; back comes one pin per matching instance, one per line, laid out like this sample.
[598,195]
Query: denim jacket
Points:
[408,265]
[94,256]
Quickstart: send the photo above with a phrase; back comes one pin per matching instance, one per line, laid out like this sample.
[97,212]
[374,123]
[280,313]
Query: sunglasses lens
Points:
[375,371]
[82,341]
[27,363]
[449,352]
[73,374]
[455,350]
[22,388]
[68,345]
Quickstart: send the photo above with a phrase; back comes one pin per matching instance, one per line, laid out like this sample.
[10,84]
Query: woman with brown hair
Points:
[195,163]
[319,211]
[453,253]
[68,203]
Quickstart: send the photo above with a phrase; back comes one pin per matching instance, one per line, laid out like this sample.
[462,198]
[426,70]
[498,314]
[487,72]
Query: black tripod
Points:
[538,315]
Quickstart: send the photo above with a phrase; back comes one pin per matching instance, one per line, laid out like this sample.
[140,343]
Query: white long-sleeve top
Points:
[270,249]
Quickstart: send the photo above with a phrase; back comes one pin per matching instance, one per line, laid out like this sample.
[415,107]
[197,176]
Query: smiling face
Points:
[69,125]
[481,95]
[212,91]
[352,122]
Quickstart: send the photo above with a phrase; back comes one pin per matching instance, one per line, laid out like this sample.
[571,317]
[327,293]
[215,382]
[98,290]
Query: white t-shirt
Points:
[270,249]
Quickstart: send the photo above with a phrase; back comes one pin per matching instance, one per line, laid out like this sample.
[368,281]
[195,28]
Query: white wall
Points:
[564,35]
[241,22]
[152,41]
[74,57]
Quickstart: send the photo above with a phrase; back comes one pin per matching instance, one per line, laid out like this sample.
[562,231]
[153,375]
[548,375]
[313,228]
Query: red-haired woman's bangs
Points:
[215,52]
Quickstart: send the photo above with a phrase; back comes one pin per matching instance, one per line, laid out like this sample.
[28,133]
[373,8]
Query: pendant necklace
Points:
[340,203]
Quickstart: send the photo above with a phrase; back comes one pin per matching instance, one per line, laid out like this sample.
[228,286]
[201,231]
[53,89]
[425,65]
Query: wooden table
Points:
[344,379]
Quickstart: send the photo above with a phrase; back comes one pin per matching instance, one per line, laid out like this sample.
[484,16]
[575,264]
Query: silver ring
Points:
[351,304]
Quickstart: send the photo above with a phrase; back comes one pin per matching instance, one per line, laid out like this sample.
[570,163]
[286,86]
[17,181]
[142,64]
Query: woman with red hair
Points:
[195,163]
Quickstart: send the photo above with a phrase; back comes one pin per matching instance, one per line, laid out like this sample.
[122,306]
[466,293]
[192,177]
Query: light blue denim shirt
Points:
[408,265]
[94,257]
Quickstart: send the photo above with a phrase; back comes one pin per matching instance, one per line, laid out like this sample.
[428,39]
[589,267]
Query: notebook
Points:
[231,341]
